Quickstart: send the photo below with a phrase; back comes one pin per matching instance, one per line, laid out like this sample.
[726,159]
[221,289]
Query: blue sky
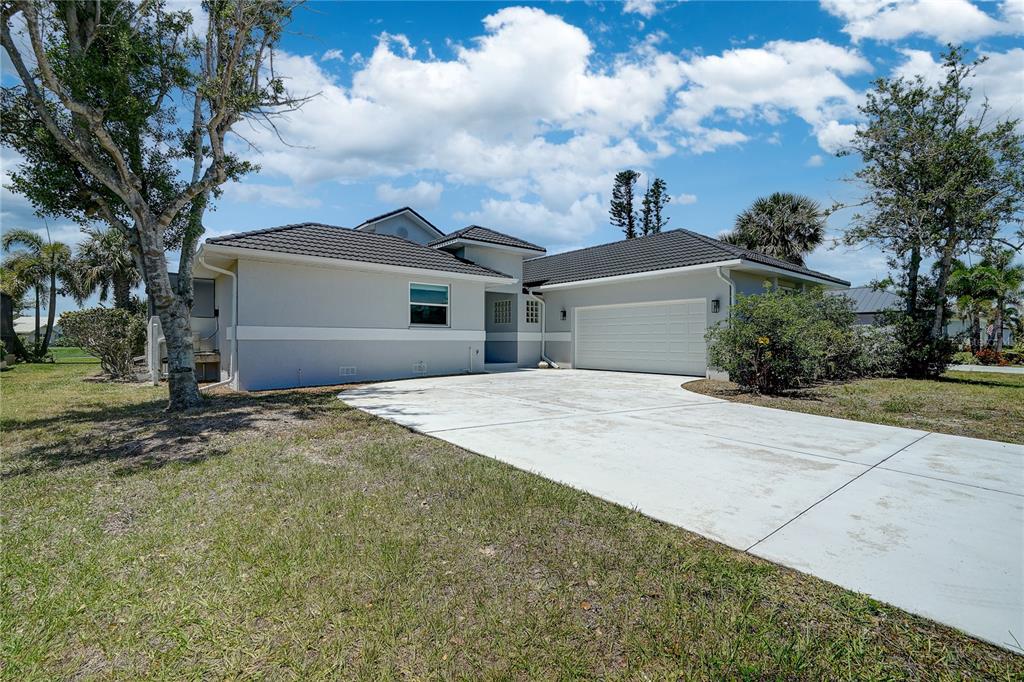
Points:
[516,116]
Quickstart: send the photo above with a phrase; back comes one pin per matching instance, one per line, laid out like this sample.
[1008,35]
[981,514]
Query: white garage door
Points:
[665,337]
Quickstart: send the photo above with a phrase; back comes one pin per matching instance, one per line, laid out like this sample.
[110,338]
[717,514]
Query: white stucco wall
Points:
[301,325]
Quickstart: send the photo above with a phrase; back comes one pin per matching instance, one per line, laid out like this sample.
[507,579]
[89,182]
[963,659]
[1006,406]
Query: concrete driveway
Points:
[928,522]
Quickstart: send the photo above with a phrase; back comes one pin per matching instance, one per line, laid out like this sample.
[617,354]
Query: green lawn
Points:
[976,404]
[286,535]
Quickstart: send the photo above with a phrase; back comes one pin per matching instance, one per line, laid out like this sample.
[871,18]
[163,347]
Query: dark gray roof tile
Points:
[672,249]
[484,234]
[329,241]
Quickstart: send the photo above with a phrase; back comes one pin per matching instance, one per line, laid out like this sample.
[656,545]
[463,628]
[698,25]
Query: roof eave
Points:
[646,274]
[492,245]
[343,264]
[824,281]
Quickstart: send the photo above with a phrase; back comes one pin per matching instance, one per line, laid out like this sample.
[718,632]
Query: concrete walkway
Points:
[986,368]
[928,522]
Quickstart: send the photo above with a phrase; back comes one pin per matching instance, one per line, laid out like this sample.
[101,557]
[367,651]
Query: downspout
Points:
[543,315]
[723,274]
[233,366]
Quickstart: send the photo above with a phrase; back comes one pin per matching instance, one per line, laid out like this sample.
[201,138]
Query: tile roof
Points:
[484,234]
[382,216]
[870,300]
[672,249]
[329,241]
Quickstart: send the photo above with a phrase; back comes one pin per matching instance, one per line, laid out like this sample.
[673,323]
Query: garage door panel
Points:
[666,336]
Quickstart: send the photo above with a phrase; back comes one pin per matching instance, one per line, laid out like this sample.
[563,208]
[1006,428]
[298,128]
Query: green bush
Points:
[1015,355]
[990,356]
[114,336]
[920,355]
[878,352]
[964,357]
[775,341]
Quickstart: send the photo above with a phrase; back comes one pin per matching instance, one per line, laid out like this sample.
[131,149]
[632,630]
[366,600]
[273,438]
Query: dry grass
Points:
[975,404]
[285,535]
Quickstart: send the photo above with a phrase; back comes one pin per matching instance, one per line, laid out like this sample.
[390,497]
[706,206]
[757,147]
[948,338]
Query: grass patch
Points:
[286,535]
[975,404]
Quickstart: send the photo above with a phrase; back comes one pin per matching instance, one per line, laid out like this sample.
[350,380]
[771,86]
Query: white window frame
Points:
[505,306]
[447,306]
[532,311]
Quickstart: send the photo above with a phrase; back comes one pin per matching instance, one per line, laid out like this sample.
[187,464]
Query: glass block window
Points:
[532,312]
[503,312]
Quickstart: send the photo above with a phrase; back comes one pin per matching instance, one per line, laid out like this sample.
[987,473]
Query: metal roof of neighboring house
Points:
[870,300]
[672,249]
[484,234]
[26,324]
[342,243]
[389,214]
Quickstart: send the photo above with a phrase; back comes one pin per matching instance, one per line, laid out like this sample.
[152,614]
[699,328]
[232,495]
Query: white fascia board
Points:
[340,264]
[649,274]
[753,265]
[490,245]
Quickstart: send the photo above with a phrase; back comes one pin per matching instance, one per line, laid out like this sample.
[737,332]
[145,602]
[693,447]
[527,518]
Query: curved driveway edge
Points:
[928,522]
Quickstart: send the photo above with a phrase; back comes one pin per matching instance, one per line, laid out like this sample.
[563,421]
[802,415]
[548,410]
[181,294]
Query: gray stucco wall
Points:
[501,343]
[699,284]
[402,225]
[309,311]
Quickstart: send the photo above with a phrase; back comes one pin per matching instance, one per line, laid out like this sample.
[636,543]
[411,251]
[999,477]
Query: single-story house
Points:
[25,328]
[313,304]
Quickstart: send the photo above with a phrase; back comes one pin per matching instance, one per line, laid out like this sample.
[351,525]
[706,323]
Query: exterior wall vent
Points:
[347,371]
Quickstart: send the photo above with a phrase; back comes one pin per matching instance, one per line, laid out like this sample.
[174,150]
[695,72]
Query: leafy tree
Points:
[122,114]
[941,178]
[39,264]
[103,263]
[655,199]
[113,335]
[622,212]
[783,225]
[973,288]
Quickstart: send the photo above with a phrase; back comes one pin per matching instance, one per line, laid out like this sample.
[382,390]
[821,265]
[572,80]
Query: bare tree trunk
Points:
[975,332]
[945,265]
[175,320]
[998,324]
[913,270]
[51,313]
[122,291]
[35,336]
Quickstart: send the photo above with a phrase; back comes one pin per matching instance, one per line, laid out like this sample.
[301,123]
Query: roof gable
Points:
[398,211]
[475,233]
[662,251]
[342,243]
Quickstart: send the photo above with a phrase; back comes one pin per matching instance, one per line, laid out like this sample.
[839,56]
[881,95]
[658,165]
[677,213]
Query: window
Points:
[503,312]
[532,312]
[428,304]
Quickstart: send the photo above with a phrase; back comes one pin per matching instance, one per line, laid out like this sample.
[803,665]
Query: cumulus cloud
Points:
[645,8]
[274,195]
[333,54]
[943,20]
[815,161]
[804,78]
[423,193]
[700,140]
[557,229]
[684,199]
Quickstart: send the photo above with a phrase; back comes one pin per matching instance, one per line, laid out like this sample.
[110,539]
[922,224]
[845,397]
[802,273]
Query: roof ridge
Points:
[279,228]
[598,246]
[382,216]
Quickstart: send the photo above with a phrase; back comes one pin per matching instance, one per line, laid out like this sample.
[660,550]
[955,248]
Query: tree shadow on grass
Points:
[142,436]
[984,382]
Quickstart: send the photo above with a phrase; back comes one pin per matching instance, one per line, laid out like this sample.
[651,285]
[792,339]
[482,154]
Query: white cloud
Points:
[701,140]
[555,229]
[943,20]
[334,54]
[834,136]
[805,78]
[645,8]
[998,79]
[423,193]
[815,161]
[275,195]
[684,199]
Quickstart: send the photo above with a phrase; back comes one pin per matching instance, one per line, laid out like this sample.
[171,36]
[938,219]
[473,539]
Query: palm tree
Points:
[1007,281]
[782,225]
[39,264]
[104,264]
[974,288]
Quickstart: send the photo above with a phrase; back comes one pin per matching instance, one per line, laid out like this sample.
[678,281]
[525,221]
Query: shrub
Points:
[878,353]
[114,336]
[964,357]
[1015,355]
[920,355]
[777,340]
[990,356]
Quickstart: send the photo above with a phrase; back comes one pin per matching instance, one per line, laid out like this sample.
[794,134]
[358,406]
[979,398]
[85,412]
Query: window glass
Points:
[428,293]
[532,312]
[428,304]
[503,312]
[428,314]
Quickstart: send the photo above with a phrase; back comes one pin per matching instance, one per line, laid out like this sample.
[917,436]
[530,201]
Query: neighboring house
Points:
[395,297]
[25,328]
[869,304]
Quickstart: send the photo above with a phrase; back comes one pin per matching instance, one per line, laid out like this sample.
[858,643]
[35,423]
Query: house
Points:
[25,328]
[312,304]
